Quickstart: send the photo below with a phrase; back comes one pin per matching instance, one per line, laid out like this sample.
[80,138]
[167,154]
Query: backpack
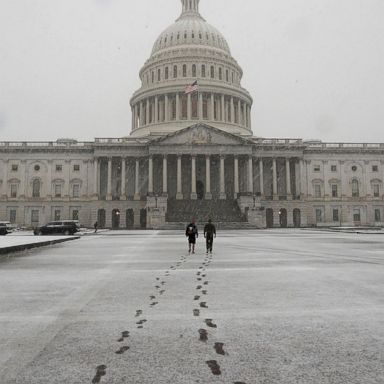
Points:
[190,230]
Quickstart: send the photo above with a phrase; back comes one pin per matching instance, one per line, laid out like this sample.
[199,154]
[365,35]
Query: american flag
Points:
[192,87]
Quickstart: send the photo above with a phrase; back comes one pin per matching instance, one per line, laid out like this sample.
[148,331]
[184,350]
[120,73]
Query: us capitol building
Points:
[192,154]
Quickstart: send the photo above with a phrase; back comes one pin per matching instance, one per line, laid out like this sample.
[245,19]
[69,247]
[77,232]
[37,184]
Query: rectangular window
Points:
[203,70]
[319,215]
[334,190]
[59,168]
[57,215]
[57,190]
[76,190]
[35,216]
[15,167]
[356,215]
[12,216]
[377,216]
[335,214]
[317,190]
[375,168]
[316,168]
[76,167]
[376,190]
[333,168]
[13,190]
[75,214]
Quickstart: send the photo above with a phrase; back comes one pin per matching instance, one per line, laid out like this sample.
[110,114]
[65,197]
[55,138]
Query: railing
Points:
[45,144]
[345,145]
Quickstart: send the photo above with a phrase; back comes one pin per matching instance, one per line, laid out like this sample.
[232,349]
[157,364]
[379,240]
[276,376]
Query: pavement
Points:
[274,306]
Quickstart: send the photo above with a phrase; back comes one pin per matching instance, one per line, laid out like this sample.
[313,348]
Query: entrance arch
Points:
[269,217]
[283,218]
[101,218]
[200,190]
[296,218]
[116,219]
[129,218]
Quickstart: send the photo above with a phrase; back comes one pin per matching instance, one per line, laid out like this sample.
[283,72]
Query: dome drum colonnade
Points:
[187,51]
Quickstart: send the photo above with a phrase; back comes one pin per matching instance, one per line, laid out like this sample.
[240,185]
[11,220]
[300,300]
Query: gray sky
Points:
[315,68]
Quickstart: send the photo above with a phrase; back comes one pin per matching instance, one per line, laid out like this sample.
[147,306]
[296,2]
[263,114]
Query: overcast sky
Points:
[315,68]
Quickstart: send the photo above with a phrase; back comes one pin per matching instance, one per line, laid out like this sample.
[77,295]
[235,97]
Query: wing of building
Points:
[192,154]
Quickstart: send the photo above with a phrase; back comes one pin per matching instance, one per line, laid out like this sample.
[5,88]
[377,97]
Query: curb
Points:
[23,247]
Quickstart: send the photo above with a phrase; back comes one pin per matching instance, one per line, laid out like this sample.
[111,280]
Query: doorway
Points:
[143,218]
[129,218]
[269,217]
[296,218]
[283,218]
[101,218]
[116,219]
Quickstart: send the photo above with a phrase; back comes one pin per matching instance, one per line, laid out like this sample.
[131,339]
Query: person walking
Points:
[209,234]
[96,226]
[192,233]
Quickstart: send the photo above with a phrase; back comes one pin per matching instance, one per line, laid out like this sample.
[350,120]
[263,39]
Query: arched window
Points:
[166,73]
[355,188]
[158,75]
[212,72]
[36,188]
[193,70]
[175,71]
[185,70]
[203,70]
[153,77]
[220,74]
[227,75]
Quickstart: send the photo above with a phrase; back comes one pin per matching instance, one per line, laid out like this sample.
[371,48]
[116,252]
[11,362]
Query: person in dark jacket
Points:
[209,234]
[192,233]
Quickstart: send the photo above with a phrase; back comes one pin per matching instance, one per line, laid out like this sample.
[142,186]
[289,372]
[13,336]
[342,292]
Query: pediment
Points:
[201,134]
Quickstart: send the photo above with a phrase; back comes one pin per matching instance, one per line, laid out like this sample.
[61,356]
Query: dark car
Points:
[4,229]
[67,227]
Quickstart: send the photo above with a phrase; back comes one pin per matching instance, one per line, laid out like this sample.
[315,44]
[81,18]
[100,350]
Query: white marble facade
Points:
[196,148]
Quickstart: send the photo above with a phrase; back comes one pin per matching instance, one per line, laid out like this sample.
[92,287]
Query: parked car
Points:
[5,228]
[66,227]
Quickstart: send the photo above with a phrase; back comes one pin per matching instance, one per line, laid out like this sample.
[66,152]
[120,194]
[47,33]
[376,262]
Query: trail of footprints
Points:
[213,365]
[140,321]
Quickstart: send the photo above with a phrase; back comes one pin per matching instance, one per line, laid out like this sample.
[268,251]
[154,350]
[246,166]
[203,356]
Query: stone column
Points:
[244,114]
[147,113]
[232,120]
[301,178]
[250,175]
[208,194]
[49,180]
[261,167]
[166,108]
[249,116]
[193,179]
[123,167]
[239,112]
[223,196]
[96,178]
[189,107]
[236,177]
[150,175]
[200,109]
[212,106]
[136,116]
[141,117]
[165,175]
[137,187]
[274,170]
[156,119]
[179,194]
[222,108]
[109,183]
[22,179]
[288,179]
[177,106]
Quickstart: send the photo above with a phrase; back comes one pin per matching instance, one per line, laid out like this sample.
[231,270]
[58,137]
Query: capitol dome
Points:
[187,52]
[190,29]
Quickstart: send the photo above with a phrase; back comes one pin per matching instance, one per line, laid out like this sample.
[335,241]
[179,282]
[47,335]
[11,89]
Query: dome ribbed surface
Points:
[191,30]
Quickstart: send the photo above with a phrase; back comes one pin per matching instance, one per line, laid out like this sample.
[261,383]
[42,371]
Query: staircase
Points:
[220,211]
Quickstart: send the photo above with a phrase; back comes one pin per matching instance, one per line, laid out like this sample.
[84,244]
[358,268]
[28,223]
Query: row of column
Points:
[208,194]
[219,108]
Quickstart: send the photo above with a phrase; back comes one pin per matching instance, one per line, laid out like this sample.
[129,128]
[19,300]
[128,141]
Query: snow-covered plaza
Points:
[276,307]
